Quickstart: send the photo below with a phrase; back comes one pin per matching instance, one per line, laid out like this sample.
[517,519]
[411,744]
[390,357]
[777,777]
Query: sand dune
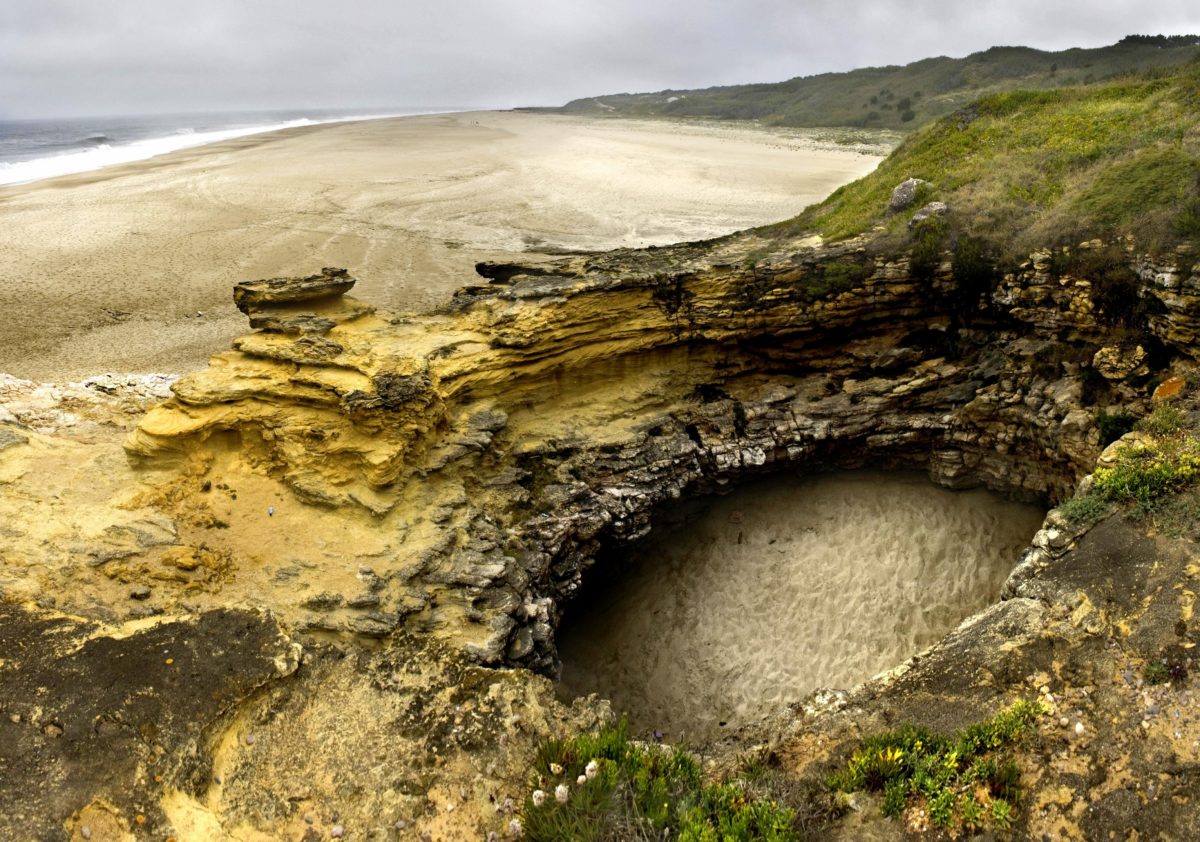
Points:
[129,268]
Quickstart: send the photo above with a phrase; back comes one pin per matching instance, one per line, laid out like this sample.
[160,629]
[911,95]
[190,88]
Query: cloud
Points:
[63,57]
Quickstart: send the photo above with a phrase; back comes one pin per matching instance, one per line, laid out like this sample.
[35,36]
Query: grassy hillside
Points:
[1027,169]
[900,97]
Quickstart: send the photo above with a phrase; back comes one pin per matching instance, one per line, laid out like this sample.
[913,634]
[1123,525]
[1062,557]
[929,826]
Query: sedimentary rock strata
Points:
[411,497]
[557,408]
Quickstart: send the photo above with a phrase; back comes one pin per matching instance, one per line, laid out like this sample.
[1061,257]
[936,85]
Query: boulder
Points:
[931,209]
[1172,387]
[905,194]
[252,295]
[300,306]
[1115,363]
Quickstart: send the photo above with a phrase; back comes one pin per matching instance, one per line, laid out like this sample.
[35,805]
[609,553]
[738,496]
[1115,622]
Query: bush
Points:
[1144,473]
[927,239]
[1187,224]
[634,791]
[1087,509]
[974,273]
[964,780]
[1165,420]
[1113,425]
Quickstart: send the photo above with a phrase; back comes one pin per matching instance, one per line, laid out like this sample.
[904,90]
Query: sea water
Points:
[784,586]
[31,150]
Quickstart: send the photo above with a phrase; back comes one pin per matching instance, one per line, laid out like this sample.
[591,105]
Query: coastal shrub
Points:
[1147,471]
[964,781]
[974,273]
[605,787]
[1113,425]
[836,276]
[1086,509]
[927,240]
[1114,283]
[1165,420]
[1187,224]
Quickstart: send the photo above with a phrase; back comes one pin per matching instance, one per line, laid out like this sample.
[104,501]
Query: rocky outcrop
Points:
[414,496]
[559,408]
[905,194]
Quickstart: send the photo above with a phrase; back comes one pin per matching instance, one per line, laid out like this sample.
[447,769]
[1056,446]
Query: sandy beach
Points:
[129,269]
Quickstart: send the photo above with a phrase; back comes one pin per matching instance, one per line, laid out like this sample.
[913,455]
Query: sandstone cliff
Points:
[411,498]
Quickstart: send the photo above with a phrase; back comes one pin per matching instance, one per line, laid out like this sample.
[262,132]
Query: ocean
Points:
[31,150]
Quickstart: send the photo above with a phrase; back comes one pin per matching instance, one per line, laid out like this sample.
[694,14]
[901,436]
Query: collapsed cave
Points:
[738,604]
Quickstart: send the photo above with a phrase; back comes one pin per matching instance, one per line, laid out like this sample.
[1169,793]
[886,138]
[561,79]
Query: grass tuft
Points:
[964,781]
[633,791]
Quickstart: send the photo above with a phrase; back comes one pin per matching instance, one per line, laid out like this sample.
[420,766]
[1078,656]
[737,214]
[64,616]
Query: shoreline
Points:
[95,158]
[129,268]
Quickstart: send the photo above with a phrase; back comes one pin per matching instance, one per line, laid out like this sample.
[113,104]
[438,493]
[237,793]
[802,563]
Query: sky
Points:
[95,57]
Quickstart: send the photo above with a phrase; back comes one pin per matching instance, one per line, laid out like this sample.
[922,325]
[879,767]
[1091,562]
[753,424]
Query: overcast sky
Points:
[77,57]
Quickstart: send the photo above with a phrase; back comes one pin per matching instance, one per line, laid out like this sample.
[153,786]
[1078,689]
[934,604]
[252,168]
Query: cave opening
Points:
[738,604]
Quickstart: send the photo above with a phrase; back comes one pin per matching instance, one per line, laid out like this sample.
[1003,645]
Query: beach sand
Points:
[129,269]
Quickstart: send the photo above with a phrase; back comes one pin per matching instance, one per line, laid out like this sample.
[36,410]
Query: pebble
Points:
[1079,729]
[401,824]
[249,739]
[337,831]
[140,592]
[1064,722]
[85,832]
[308,818]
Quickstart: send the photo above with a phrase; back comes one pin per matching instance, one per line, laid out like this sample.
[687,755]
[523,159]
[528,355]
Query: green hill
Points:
[1027,169]
[900,97]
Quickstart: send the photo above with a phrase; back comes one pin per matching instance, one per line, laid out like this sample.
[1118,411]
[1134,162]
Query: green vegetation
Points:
[965,782]
[1029,169]
[631,791]
[1086,509]
[899,97]
[1146,472]
[1149,474]
[1156,673]
[1113,425]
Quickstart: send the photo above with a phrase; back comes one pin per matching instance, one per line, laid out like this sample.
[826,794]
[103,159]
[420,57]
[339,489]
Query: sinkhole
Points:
[740,603]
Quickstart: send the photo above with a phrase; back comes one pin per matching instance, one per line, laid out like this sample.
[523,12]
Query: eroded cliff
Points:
[416,500]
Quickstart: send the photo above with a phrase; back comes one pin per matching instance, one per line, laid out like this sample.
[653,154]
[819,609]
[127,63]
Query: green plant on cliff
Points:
[605,786]
[1027,169]
[1147,471]
[964,781]
[1113,425]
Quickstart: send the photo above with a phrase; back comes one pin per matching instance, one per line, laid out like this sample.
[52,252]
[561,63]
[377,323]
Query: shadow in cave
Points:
[739,604]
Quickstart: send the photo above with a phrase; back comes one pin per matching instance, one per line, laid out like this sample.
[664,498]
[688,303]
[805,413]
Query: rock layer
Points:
[559,407]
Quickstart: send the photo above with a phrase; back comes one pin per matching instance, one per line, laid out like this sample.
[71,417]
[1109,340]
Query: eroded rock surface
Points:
[414,497]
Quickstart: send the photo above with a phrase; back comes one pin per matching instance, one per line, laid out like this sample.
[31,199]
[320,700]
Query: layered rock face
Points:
[408,498]
[548,412]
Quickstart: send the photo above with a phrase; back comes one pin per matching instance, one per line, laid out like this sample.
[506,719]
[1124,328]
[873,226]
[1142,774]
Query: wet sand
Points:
[129,268]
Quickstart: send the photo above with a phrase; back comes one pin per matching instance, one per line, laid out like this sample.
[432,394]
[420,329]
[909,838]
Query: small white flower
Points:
[592,769]
[581,780]
[555,769]
[539,798]
[515,830]
[561,793]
